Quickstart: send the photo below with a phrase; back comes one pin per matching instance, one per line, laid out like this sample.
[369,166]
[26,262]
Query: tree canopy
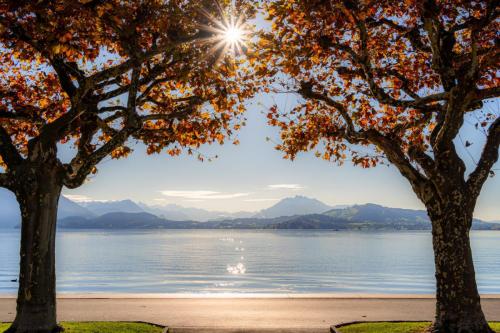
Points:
[400,76]
[95,74]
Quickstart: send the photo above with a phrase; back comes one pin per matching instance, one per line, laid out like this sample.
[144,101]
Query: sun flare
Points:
[232,36]
[231,33]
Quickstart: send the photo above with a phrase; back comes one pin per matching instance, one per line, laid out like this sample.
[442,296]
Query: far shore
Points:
[98,295]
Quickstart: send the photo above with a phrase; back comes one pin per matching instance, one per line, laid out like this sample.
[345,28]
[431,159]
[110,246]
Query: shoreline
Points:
[311,315]
[97,295]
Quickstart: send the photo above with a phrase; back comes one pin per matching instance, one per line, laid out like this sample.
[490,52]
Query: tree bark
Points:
[37,190]
[458,306]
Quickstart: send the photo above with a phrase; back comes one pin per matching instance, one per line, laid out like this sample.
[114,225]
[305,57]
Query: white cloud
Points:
[285,187]
[78,198]
[203,195]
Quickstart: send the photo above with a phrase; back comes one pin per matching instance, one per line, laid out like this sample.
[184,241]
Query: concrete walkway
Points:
[305,315]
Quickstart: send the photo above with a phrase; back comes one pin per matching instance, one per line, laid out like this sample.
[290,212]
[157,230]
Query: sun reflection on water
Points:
[237,270]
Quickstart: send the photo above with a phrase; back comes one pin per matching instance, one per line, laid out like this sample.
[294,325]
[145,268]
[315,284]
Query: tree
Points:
[95,75]
[402,77]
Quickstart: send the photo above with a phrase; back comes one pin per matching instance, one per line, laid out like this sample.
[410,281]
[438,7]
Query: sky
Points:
[253,175]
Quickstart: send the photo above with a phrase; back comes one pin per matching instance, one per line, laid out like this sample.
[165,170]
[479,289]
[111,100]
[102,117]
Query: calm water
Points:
[199,261]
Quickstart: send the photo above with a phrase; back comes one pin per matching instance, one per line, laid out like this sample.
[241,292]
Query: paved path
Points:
[308,315]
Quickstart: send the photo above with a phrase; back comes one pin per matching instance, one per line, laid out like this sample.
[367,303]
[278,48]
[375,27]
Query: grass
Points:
[103,327]
[407,327]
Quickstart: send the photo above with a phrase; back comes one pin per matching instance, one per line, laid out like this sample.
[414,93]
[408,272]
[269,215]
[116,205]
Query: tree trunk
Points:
[38,195]
[458,307]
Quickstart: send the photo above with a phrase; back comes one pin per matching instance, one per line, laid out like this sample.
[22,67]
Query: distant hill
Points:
[298,205]
[376,216]
[292,213]
[116,221]
[10,214]
[105,207]
[390,219]
[379,214]
[70,208]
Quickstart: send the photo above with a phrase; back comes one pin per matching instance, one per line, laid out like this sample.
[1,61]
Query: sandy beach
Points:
[253,313]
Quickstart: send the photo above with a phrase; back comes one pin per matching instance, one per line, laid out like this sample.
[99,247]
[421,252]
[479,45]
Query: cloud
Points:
[285,187]
[261,200]
[203,195]
[78,198]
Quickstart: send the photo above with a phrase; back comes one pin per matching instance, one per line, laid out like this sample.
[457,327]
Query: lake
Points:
[235,261]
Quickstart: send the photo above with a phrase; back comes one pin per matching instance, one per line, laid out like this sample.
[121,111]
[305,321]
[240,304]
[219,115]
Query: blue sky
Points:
[253,175]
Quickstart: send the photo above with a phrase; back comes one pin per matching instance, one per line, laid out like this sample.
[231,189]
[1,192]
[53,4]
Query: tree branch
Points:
[8,151]
[367,72]
[392,149]
[483,94]
[5,181]
[83,164]
[488,158]
[412,34]
[13,116]
[127,65]
[478,23]
[441,41]
[307,92]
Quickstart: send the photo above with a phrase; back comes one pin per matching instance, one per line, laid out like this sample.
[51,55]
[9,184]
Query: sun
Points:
[231,34]
[234,35]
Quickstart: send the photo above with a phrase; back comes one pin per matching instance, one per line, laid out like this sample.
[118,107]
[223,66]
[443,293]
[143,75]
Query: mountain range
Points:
[297,212]
[10,215]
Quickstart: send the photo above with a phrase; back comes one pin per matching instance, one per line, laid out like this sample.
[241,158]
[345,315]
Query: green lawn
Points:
[104,327]
[408,327]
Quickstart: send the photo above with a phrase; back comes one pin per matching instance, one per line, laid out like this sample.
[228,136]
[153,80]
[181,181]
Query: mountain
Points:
[118,220]
[180,213]
[105,207]
[69,208]
[292,213]
[371,215]
[352,218]
[298,205]
[378,214]
[10,215]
